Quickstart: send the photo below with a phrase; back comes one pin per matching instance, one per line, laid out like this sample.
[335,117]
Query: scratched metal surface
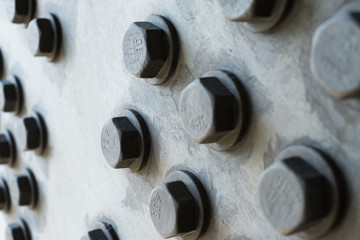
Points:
[89,84]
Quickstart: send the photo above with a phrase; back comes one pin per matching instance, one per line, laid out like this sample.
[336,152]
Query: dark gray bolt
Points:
[6,149]
[42,37]
[248,10]
[4,195]
[145,49]
[29,132]
[103,231]
[18,231]
[24,190]
[335,54]
[10,96]
[19,11]
[208,110]
[174,210]
[121,142]
[293,195]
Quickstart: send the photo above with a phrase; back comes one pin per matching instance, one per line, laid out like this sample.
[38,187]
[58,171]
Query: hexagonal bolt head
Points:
[103,231]
[19,11]
[121,142]
[335,54]
[293,195]
[29,133]
[4,195]
[208,110]
[145,49]
[10,96]
[248,10]
[6,149]
[25,189]
[173,209]
[42,37]
[18,231]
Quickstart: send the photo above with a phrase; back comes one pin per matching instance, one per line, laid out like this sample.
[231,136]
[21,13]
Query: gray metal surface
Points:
[89,83]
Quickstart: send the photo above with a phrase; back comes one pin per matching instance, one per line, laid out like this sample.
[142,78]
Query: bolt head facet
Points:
[173,209]
[208,110]
[18,231]
[293,195]
[336,53]
[42,37]
[145,49]
[6,149]
[121,142]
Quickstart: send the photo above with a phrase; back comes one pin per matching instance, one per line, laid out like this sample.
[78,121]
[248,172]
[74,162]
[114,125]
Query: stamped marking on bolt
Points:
[156,207]
[135,49]
[198,123]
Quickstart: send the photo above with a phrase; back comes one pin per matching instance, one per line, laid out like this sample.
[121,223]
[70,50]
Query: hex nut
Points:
[261,15]
[20,11]
[145,49]
[208,110]
[18,231]
[24,190]
[11,95]
[125,141]
[45,37]
[103,231]
[335,53]
[7,148]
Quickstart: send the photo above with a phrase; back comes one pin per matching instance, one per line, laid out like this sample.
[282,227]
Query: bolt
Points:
[293,195]
[18,231]
[248,10]
[4,195]
[174,210]
[335,53]
[7,153]
[145,49]
[42,37]
[24,190]
[11,95]
[103,231]
[208,110]
[121,142]
[20,11]
[30,133]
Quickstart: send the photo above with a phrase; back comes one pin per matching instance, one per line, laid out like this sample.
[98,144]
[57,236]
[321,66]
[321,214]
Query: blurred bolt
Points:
[11,95]
[174,210]
[18,231]
[103,231]
[121,142]
[145,49]
[335,54]
[209,111]
[25,190]
[4,195]
[7,148]
[42,37]
[20,11]
[293,195]
[29,133]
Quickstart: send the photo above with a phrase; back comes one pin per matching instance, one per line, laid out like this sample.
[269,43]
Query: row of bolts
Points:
[213,110]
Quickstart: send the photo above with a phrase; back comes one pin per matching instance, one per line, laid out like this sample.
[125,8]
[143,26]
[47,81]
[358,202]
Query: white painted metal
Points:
[89,84]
